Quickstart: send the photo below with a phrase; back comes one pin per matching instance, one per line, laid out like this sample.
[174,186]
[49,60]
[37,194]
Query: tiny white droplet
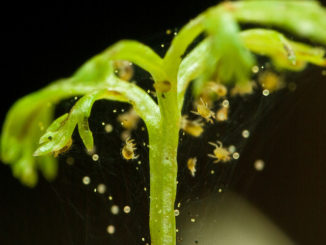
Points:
[108,128]
[101,188]
[225,103]
[126,209]
[95,157]
[245,133]
[176,212]
[86,180]
[115,209]
[265,92]
[255,69]
[235,155]
[110,229]
[259,165]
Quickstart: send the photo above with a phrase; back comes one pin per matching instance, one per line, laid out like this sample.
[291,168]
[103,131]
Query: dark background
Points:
[43,43]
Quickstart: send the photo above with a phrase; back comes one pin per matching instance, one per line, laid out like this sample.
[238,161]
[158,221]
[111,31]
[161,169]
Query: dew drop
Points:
[265,92]
[101,188]
[255,69]
[126,209]
[225,103]
[235,155]
[259,165]
[176,212]
[95,157]
[108,128]
[110,229]
[245,133]
[193,220]
[232,149]
[86,180]
[115,209]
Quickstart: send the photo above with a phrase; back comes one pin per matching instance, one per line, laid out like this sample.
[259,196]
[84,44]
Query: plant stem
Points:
[163,146]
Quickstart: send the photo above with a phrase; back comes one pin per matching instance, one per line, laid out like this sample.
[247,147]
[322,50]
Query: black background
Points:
[43,43]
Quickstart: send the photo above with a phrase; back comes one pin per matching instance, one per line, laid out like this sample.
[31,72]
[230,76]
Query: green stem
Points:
[163,145]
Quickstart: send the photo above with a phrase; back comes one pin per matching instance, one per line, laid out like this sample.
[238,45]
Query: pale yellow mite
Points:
[194,128]
[271,81]
[191,164]
[220,154]
[212,91]
[129,119]
[128,150]
[204,111]
[123,69]
[222,114]
[219,89]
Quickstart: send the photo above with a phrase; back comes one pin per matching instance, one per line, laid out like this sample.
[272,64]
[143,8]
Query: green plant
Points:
[224,55]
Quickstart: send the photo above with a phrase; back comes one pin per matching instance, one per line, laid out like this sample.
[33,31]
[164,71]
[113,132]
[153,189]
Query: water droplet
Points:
[176,212]
[110,198]
[232,149]
[115,111]
[259,165]
[235,155]
[162,45]
[193,220]
[143,239]
[179,205]
[245,133]
[110,229]
[225,103]
[265,92]
[126,209]
[86,180]
[115,209]
[168,31]
[108,128]
[220,190]
[76,98]
[101,188]
[255,69]
[212,172]
[95,157]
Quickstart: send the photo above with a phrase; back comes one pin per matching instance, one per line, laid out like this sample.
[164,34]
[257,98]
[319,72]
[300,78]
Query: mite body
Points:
[129,119]
[220,153]
[128,150]
[194,128]
[191,164]
[204,111]
[123,69]
[222,114]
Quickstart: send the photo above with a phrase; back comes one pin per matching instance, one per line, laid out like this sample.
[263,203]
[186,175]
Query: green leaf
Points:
[303,18]
[285,54]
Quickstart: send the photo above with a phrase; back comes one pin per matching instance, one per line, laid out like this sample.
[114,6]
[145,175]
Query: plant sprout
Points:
[224,57]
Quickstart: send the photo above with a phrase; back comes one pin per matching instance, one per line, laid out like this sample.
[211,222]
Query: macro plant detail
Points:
[223,58]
